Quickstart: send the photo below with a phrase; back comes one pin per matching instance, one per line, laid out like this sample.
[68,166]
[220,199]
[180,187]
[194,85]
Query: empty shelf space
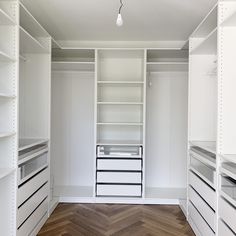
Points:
[29,143]
[167,66]
[209,146]
[29,44]
[229,169]
[72,66]
[5,19]
[207,46]
[230,158]
[6,58]
[120,142]
[230,21]
[73,191]
[228,189]
[4,172]
[6,134]
[120,123]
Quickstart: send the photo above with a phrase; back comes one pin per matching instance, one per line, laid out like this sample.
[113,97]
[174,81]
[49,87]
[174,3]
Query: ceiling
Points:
[144,20]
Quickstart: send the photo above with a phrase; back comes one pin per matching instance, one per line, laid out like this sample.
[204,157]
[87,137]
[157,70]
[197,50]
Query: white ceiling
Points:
[144,20]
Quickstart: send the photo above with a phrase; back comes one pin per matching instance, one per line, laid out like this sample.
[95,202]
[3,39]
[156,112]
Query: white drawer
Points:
[116,164]
[119,177]
[27,189]
[203,189]
[28,207]
[33,220]
[228,213]
[199,222]
[207,213]
[224,229]
[119,190]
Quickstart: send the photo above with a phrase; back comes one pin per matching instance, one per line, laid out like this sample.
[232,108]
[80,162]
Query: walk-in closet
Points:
[117,128]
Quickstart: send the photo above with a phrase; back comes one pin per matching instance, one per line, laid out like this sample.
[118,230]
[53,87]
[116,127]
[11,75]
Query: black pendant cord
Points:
[121,5]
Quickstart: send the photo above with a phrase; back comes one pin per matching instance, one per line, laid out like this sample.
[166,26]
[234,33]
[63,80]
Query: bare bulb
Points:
[119,21]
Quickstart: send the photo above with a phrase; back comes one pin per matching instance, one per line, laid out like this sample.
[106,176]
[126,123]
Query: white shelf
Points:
[6,58]
[72,66]
[120,142]
[121,82]
[230,158]
[4,172]
[28,143]
[207,45]
[209,146]
[165,193]
[5,19]
[229,169]
[204,158]
[230,21]
[119,103]
[5,95]
[228,198]
[167,66]
[120,124]
[28,44]
[6,134]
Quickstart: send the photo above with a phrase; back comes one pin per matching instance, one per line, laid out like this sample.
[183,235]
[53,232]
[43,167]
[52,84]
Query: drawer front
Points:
[28,207]
[26,190]
[33,220]
[224,229]
[119,177]
[119,164]
[119,190]
[207,213]
[199,222]
[227,213]
[203,189]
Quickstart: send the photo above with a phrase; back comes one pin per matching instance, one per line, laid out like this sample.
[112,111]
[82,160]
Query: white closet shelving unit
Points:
[8,115]
[212,129]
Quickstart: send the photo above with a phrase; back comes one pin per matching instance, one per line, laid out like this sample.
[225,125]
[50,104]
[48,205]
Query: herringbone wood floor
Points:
[116,220]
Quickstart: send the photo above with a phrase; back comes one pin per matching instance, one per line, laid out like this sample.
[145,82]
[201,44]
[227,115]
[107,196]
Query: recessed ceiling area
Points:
[144,20]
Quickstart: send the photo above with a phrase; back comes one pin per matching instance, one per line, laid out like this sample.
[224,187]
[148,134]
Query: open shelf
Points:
[167,66]
[120,142]
[230,21]
[228,189]
[119,103]
[4,172]
[5,19]
[72,66]
[6,58]
[230,158]
[6,134]
[207,46]
[121,124]
[121,82]
[29,44]
[28,143]
[229,169]
[209,146]
[165,193]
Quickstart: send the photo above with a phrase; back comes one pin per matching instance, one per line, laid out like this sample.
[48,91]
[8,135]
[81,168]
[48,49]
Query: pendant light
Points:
[119,21]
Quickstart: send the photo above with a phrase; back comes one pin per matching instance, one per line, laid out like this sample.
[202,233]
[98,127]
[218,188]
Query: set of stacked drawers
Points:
[119,171]
[33,189]
[202,191]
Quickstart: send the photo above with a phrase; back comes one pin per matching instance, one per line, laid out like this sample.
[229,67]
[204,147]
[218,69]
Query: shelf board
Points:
[73,66]
[121,82]
[120,142]
[207,45]
[6,134]
[29,143]
[7,96]
[167,66]
[230,158]
[229,169]
[29,44]
[4,172]
[6,58]
[228,198]
[5,19]
[209,146]
[120,103]
[169,63]
[120,124]
[230,21]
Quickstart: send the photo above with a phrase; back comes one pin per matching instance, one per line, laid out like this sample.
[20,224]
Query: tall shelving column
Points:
[9,14]
[120,122]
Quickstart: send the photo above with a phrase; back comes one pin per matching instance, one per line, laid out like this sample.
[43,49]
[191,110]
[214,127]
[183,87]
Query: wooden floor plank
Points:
[116,220]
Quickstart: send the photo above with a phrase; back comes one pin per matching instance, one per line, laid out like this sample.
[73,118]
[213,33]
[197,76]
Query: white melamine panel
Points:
[228,213]
[33,220]
[206,192]
[119,177]
[224,230]
[199,222]
[28,207]
[166,135]
[26,190]
[73,129]
[35,85]
[207,213]
[202,98]
[119,164]
[119,190]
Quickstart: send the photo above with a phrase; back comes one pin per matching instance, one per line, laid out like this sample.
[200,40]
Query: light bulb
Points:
[119,21]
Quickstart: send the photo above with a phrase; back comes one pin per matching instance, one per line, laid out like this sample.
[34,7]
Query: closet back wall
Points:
[73,129]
